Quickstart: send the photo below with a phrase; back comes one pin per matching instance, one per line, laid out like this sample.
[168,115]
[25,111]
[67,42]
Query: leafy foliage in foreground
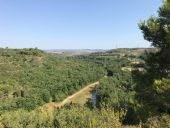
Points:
[69,117]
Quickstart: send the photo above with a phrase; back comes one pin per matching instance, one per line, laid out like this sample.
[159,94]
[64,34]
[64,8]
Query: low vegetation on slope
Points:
[68,117]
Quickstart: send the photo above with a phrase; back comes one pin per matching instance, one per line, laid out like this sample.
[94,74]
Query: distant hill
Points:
[119,51]
[132,51]
[125,52]
[72,52]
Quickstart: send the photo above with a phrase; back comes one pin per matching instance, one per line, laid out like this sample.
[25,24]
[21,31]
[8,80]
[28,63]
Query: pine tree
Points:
[157,31]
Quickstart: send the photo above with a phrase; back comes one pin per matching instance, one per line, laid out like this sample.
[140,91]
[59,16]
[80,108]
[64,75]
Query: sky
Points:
[74,24]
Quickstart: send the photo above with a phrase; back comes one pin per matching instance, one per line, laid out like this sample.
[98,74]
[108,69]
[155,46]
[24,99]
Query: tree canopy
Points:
[157,30]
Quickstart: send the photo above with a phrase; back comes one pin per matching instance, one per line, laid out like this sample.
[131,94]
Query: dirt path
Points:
[52,105]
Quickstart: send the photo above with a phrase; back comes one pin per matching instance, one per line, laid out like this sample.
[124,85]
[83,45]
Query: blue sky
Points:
[74,24]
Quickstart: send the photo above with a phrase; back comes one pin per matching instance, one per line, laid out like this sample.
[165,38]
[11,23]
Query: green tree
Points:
[157,30]
[154,93]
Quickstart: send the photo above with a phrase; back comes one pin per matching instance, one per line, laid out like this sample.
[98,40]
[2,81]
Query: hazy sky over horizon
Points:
[74,24]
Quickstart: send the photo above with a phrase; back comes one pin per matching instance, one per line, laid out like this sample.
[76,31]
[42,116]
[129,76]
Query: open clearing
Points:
[79,97]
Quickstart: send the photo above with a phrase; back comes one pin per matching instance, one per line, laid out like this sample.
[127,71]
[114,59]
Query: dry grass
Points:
[79,97]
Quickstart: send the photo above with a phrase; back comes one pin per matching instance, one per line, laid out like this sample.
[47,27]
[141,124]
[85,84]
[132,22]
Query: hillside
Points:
[39,89]
[30,77]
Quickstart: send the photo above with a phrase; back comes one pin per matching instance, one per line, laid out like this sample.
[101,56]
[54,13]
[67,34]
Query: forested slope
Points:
[30,77]
[42,77]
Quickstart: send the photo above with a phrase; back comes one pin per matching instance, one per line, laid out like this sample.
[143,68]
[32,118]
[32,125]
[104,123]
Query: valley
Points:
[58,90]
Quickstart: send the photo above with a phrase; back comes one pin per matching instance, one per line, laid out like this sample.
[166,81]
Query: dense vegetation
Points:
[123,96]
[40,78]
[30,77]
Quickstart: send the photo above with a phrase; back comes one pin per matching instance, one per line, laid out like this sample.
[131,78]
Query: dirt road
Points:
[52,105]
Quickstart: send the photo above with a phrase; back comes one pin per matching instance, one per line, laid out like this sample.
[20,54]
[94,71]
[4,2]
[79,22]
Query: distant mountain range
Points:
[71,52]
[74,51]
